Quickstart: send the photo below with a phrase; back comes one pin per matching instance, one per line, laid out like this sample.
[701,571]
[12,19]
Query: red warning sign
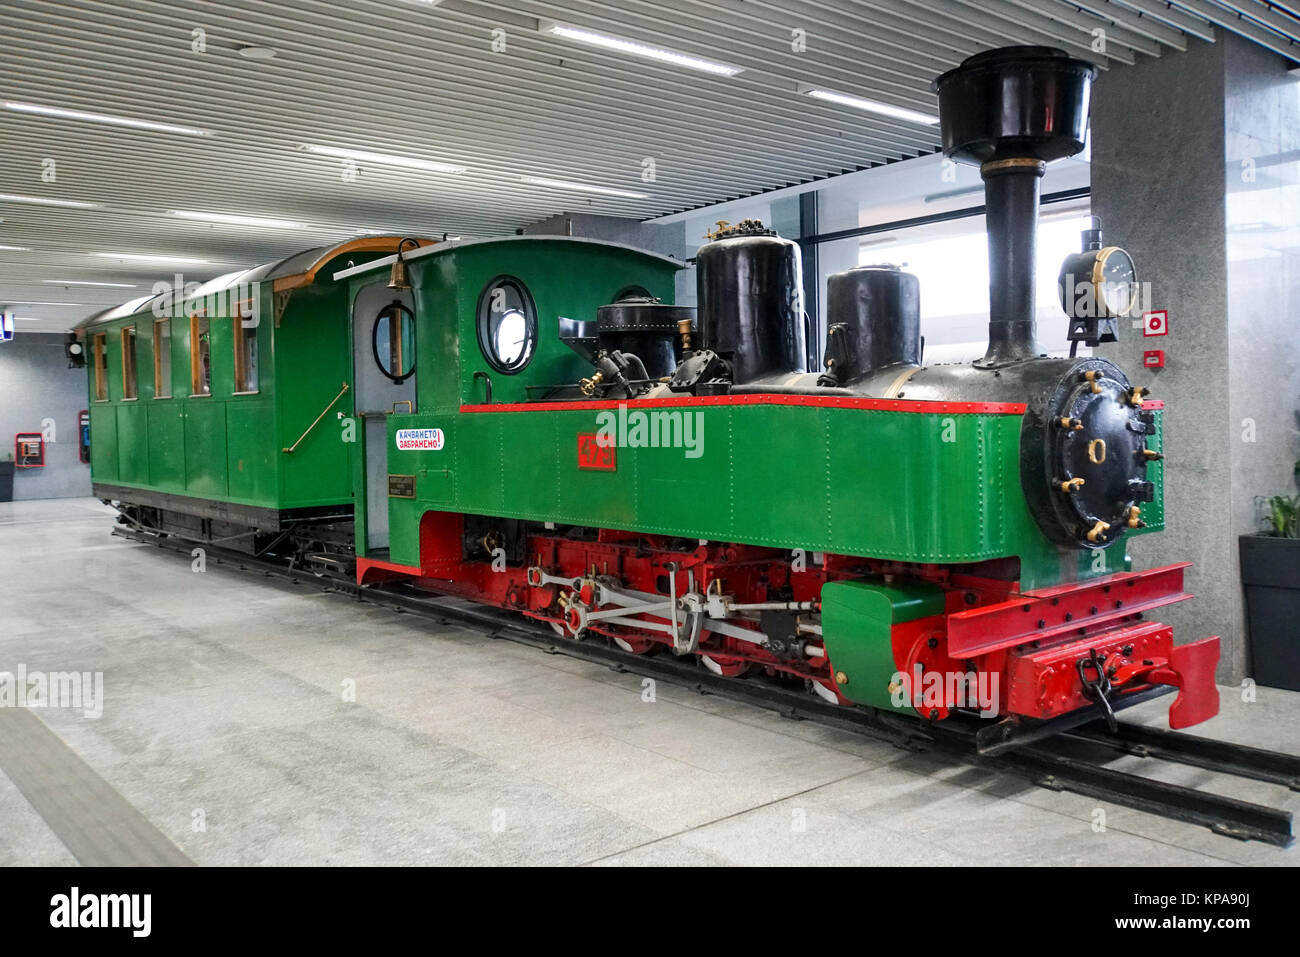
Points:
[1155,323]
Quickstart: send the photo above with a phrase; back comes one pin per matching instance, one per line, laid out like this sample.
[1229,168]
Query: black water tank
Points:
[878,310]
[750,289]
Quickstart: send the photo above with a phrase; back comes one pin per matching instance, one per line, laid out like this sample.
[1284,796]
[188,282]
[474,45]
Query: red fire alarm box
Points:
[29,450]
[1153,359]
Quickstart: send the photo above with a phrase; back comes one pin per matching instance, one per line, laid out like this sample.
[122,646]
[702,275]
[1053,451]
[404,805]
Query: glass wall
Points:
[951,261]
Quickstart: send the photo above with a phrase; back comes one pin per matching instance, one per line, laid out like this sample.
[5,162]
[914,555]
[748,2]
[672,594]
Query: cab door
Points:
[383,355]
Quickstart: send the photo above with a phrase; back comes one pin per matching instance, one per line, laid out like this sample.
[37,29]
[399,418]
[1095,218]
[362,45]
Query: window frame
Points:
[239,333]
[99,353]
[195,364]
[532,332]
[130,363]
[158,377]
[405,314]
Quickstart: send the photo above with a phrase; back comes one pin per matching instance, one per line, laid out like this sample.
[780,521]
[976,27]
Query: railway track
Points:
[1053,757]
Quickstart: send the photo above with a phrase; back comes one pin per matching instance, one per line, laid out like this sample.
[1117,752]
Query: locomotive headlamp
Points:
[1098,283]
[75,352]
[1096,286]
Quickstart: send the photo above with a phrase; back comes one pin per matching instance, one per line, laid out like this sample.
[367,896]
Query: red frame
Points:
[828,401]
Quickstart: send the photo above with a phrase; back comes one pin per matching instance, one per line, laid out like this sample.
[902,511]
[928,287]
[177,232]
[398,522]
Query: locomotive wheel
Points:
[727,669]
[632,645]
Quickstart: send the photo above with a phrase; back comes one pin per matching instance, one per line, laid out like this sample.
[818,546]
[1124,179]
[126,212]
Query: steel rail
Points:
[1226,757]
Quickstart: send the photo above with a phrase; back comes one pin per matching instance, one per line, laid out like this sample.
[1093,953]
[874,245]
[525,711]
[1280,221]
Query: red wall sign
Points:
[594,455]
[1155,323]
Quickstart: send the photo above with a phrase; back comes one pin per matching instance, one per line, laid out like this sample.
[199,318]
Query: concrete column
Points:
[1168,138]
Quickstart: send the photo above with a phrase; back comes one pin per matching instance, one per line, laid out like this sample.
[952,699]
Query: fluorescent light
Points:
[104,118]
[46,201]
[17,249]
[29,319]
[83,282]
[871,106]
[35,302]
[620,45]
[234,220]
[582,187]
[138,257]
[384,159]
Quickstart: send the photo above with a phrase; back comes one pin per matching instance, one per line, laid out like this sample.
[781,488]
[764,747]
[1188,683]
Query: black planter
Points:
[6,481]
[1270,574]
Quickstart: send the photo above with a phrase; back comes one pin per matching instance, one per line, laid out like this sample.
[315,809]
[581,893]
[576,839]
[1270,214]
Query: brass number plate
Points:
[401,486]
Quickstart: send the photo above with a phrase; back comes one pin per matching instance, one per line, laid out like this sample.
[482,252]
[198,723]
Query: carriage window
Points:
[245,350]
[507,324]
[200,356]
[393,339]
[162,359]
[101,368]
[130,387]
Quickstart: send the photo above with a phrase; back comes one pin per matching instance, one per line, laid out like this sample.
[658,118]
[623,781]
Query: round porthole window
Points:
[507,324]
[393,339]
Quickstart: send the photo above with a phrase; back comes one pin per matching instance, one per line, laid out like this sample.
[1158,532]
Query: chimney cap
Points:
[1019,101]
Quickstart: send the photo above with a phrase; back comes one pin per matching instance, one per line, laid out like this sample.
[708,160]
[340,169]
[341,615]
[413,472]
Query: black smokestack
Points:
[1011,111]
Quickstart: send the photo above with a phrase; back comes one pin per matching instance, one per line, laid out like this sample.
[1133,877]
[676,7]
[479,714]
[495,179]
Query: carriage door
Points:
[383,357]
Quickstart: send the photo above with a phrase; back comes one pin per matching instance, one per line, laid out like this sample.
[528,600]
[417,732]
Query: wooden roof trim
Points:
[367,244]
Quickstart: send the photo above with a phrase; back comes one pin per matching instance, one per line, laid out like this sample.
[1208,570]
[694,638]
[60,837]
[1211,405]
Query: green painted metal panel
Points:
[251,459]
[205,448]
[103,442]
[857,623]
[919,487]
[313,360]
[795,476]
[166,424]
[766,474]
[356,452]
[1153,513]
[564,278]
[132,444]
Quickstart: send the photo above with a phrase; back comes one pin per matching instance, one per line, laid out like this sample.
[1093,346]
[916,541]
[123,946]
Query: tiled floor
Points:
[226,724]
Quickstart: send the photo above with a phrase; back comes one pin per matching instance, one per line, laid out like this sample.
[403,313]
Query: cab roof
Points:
[294,271]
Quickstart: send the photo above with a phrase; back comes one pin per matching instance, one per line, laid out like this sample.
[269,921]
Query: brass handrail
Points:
[318,418]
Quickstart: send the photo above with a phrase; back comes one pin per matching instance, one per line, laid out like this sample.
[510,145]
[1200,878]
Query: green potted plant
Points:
[1270,576]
